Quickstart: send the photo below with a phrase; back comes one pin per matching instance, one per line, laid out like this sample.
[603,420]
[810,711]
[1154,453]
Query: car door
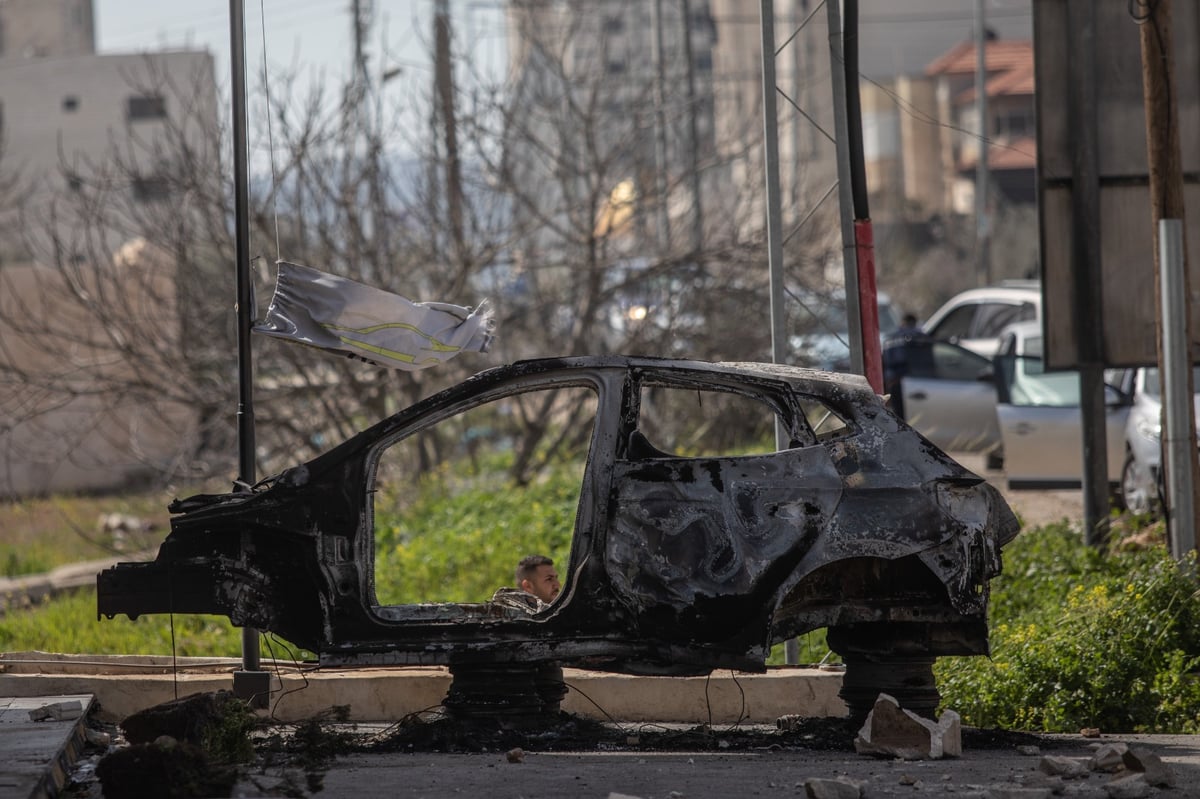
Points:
[1042,430]
[948,395]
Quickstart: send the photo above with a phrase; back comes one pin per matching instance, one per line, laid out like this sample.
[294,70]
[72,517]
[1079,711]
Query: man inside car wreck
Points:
[697,551]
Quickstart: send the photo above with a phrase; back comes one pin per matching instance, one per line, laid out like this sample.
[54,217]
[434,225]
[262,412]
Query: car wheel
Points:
[1139,494]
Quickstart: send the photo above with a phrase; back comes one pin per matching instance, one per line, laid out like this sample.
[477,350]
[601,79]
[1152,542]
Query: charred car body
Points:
[683,558]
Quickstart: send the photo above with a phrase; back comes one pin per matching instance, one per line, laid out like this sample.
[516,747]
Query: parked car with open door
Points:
[1040,419]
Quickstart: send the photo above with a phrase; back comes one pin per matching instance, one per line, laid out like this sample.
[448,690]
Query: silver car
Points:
[1040,420]
[946,392]
[1141,469]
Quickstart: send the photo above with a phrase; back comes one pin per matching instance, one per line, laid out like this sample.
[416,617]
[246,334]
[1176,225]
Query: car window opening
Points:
[506,475]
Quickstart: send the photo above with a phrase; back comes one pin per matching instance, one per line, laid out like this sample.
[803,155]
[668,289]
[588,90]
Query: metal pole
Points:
[251,683]
[774,221]
[864,236]
[1082,111]
[693,133]
[1177,393]
[982,223]
[660,130]
[841,128]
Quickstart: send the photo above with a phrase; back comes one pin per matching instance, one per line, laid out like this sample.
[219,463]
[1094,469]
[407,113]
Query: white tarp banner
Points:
[335,313]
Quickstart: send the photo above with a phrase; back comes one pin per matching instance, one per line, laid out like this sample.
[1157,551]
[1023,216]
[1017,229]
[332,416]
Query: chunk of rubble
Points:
[1133,786]
[57,711]
[1041,781]
[1090,732]
[840,788]
[1151,766]
[892,731]
[1066,767]
[1109,757]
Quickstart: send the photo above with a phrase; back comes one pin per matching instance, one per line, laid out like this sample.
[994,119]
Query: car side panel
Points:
[695,545]
[956,415]
[1043,446]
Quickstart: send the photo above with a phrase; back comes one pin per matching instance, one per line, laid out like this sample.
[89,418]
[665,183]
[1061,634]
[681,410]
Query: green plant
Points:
[1085,639]
[460,542]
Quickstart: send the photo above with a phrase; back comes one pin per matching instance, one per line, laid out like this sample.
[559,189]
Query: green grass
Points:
[68,624]
[40,533]
[460,542]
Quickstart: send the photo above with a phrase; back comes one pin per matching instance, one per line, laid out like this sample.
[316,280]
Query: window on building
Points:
[704,62]
[1014,123]
[70,103]
[146,106]
[151,188]
[614,67]
[614,25]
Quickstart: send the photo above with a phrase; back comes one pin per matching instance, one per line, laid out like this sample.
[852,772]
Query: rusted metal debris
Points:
[679,565]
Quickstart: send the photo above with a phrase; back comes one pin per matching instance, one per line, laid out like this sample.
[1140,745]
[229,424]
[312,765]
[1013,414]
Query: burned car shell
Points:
[678,564]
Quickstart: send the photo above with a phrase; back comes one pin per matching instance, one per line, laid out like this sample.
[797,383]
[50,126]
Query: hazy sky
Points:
[312,35]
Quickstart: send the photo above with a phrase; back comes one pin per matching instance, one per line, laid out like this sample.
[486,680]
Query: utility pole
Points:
[693,134]
[660,130]
[251,683]
[444,79]
[1083,119]
[982,222]
[1166,203]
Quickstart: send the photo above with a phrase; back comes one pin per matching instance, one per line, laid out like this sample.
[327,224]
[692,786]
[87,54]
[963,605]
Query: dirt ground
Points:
[1035,508]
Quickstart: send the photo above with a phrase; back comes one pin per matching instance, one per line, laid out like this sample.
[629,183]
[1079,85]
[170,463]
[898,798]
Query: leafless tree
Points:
[123,314]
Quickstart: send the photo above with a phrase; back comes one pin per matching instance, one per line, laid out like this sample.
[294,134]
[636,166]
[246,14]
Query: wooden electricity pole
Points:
[1166,202]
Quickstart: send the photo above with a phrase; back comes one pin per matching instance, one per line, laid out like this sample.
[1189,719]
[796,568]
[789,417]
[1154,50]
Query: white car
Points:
[946,392]
[975,318]
[1040,420]
[1141,470]
[821,336]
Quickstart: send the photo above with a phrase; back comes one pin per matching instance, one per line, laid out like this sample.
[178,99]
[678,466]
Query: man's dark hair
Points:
[527,568]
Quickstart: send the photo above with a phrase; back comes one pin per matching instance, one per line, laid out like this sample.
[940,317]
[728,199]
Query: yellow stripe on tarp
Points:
[435,345]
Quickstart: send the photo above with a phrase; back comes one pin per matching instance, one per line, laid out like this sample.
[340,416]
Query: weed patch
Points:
[1085,639]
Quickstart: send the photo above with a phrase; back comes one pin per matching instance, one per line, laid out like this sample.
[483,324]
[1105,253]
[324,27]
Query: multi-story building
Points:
[93,146]
[37,29]
[608,99]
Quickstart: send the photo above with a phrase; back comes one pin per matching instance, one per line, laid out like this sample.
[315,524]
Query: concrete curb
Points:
[124,685]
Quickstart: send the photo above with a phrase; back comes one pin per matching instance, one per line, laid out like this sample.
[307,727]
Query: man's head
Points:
[536,575]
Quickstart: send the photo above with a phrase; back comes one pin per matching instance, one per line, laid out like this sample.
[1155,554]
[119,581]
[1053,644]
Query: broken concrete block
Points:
[1090,732]
[57,711]
[1109,757]
[1133,786]
[97,737]
[1029,749]
[1066,767]
[891,731]
[1040,780]
[1151,765]
[515,755]
[817,788]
